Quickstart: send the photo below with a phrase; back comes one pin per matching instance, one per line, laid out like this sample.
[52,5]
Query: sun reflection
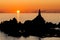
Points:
[18,14]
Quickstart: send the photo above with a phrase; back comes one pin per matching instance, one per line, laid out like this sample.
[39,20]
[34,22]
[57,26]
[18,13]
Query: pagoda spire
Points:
[39,19]
[39,12]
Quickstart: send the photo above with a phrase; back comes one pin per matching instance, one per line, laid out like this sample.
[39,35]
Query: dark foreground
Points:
[36,27]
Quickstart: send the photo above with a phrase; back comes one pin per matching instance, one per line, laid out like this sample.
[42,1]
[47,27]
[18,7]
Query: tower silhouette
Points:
[39,19]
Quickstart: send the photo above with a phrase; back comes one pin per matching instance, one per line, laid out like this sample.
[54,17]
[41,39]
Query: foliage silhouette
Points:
[36,27]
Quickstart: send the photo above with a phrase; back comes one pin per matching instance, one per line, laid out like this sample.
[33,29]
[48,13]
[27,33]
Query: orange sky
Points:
[29,5]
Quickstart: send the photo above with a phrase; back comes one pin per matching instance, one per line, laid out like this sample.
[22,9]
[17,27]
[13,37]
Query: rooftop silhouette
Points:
[36,27]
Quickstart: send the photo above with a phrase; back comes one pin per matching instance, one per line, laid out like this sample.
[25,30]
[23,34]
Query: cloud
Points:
[6,37]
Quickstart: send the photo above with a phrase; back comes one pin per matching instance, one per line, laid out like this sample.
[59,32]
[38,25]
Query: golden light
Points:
[18,14]
[18,11]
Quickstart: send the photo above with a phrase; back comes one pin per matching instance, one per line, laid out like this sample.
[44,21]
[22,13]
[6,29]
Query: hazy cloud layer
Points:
[6,37]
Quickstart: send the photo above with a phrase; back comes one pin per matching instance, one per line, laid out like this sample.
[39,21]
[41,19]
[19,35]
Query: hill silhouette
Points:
[36,27]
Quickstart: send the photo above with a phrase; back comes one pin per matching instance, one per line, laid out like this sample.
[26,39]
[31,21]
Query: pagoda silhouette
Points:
[36,27]
[39,19]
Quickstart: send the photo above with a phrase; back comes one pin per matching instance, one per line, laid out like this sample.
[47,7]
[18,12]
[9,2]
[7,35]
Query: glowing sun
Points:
[18,11]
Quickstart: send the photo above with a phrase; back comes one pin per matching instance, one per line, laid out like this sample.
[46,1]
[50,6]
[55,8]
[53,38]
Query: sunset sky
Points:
[29,5]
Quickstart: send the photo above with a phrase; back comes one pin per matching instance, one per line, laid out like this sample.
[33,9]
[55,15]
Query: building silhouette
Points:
[39,19]
[36,27]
